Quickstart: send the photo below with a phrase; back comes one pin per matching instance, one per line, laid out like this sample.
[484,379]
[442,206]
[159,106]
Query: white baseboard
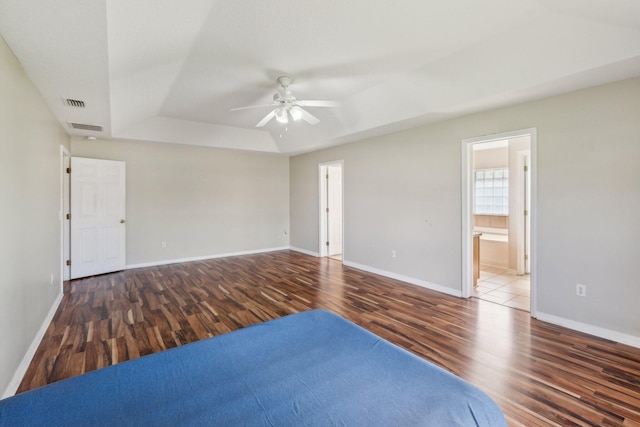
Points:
[411,280]
[202,258]
[31,351]
[304,251]
[608,334]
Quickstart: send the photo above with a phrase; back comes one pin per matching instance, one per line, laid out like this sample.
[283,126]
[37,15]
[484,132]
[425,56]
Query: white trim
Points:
[467,227]
[410,280]
[608,334]
[322,233]
[467,256]
[498,136]
[31,351]
[304,251]
[533,232]
[202,258]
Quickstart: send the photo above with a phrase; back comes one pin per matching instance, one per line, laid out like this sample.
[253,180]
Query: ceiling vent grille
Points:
[83,126]
[73,103]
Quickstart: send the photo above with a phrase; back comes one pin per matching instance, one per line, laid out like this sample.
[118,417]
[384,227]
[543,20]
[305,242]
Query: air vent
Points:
[73,103]
[86,127]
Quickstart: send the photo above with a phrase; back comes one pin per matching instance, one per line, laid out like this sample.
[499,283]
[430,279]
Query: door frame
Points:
[467,218]
[522,204]
[65,208]
[322,193]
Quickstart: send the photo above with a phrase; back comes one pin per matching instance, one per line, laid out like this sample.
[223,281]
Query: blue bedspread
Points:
[308,369]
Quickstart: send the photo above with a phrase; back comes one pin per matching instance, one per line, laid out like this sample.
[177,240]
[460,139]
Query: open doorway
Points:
[331,221]
[498,210]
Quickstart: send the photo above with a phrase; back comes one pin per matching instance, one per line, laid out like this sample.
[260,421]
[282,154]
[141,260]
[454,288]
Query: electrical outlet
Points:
[581,290]
[393,253]
[163,245]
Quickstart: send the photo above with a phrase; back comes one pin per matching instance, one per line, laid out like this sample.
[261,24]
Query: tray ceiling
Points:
[166,71]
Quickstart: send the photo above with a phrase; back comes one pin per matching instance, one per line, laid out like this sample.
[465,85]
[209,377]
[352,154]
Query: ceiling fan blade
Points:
[317,103]
[273,104]
[266,119]
[308,117]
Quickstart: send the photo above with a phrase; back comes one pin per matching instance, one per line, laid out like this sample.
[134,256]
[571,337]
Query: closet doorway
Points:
[331,210]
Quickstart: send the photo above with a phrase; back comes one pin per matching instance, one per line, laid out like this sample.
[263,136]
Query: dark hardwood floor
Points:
[539,374]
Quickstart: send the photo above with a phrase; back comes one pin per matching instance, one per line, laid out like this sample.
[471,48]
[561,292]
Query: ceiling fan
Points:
[285,105]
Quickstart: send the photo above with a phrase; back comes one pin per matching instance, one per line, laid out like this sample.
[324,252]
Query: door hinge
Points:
[526,213]
[68,216]
[68,170]
[68,262]
[327,243]
[526,168]
[327,176]
[526,257]
[327,210]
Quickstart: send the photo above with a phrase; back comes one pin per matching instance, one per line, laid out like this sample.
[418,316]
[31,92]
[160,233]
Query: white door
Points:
[334,204]
[97,216]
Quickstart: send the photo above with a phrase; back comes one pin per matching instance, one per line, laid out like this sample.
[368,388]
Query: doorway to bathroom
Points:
[497,216]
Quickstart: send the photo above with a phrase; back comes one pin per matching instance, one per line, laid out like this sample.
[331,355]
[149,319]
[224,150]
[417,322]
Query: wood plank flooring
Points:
[539,374]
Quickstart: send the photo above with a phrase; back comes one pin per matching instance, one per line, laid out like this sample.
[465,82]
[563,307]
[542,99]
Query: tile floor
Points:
[496,285]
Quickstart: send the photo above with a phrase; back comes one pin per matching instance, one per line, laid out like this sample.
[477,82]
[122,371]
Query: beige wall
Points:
[30,140]
[402,192]
[491,159]
[200,201]
[494,221]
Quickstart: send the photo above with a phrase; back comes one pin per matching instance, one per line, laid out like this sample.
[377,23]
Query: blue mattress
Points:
[313,368]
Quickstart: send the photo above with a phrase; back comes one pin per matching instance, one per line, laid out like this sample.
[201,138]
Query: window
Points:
[491,192]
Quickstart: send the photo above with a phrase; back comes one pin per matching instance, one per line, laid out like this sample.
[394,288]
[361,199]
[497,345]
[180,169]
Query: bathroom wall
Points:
[494,249]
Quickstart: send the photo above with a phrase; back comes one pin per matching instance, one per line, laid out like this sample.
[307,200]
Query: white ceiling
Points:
[169,71]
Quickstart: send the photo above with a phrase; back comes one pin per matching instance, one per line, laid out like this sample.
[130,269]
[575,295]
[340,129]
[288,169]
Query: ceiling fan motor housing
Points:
[284,81]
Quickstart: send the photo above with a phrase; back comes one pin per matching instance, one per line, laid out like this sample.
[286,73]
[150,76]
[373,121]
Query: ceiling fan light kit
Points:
[285,105]
[281,115]
[296,113]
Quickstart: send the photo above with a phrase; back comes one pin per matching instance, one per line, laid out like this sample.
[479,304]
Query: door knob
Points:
[122,221]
